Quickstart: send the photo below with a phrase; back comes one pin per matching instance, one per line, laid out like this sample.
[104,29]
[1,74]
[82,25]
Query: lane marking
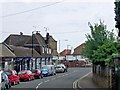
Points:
[77,81]
[40,83]
[37,87]
[47,81]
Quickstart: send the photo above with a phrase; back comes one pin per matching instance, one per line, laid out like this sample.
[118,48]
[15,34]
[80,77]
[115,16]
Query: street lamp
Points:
[33,46]
[60,44]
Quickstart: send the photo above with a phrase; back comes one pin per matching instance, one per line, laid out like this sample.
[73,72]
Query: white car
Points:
[62,65]
[59,69]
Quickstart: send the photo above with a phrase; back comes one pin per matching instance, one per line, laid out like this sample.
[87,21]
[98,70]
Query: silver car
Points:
[59,69]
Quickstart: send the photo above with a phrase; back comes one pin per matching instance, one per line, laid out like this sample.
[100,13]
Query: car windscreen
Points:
[58,67]
[44,70]
[21,73]
[8,73]
[34,71]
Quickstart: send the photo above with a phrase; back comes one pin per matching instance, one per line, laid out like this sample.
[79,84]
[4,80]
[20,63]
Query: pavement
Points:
[86,83]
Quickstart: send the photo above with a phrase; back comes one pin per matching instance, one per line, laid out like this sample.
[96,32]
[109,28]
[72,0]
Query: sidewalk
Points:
[87,83]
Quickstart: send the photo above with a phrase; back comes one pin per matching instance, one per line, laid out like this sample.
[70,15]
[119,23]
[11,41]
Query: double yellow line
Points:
[76,83]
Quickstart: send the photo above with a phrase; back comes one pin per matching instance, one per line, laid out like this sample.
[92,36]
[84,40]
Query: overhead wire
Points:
[30,9]
[57,32]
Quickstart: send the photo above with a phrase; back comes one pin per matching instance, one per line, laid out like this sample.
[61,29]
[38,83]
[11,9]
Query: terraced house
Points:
[31,51]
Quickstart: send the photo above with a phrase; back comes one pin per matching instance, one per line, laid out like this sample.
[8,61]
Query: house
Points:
[39,44]
[65,52]
[23,59]
[78,50]
[53,45]
[17,39]
[36,42]
[6,57]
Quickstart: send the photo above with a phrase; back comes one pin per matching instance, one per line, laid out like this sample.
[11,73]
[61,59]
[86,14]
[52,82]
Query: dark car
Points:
[37,73]
[26,75]
[12,75]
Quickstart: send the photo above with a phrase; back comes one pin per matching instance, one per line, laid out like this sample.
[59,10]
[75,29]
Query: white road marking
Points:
[37,87]
[75,83]
[47,81]
[40,83]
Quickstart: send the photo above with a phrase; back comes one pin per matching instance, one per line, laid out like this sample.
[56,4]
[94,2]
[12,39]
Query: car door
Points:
[15,75]
[30,74]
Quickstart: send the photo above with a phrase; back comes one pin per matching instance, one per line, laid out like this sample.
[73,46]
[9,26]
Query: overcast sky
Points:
[65,19]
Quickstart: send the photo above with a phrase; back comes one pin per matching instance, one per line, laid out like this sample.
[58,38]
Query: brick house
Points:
[38,44]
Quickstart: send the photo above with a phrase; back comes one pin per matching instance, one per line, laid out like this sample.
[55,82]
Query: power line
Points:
[30,10]
[80,31]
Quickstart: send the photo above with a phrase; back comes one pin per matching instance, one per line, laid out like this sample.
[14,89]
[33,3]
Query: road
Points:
[61,80]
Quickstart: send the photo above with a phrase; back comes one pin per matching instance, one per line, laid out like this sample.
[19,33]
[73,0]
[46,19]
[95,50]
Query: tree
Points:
[100,44]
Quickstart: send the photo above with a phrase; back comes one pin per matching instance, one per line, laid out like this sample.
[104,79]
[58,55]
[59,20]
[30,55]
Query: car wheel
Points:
[33,78]
[18,82]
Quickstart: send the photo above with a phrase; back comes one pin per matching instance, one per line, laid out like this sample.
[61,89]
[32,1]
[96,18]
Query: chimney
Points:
[21,33]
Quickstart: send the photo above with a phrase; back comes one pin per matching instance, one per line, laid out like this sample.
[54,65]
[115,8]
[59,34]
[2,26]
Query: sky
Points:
[66,20]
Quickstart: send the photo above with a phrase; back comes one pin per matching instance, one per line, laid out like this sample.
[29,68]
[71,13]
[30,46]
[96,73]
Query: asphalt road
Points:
[61,80]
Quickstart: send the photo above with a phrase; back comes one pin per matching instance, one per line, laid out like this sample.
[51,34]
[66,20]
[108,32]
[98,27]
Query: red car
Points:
[12,75]
[37,73]
[26,75]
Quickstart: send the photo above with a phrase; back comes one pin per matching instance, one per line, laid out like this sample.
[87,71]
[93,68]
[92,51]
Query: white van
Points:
[50,68]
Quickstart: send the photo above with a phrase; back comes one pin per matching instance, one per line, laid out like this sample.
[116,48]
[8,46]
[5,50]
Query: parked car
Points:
[26,75]
[50,68]
[45,72]
[12,75]
[4,81]
[63,66]
[88,64]
[37,73]
[59,69]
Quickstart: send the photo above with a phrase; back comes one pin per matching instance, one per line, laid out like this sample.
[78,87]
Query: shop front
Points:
[6,63]
[22,64]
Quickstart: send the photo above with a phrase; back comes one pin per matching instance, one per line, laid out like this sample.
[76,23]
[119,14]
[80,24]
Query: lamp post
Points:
[33,45]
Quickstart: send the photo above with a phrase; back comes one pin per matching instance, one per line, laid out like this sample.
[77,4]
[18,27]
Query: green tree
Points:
[100,44]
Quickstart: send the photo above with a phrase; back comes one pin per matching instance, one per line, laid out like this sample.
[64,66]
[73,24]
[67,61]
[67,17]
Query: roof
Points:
[5,52]
[52,39]
[65,52]
[78,50]
[37,40]
[16,39]
[24,52]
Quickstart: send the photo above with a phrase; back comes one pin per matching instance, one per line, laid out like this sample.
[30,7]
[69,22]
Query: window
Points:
[49,51]
[43,49]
